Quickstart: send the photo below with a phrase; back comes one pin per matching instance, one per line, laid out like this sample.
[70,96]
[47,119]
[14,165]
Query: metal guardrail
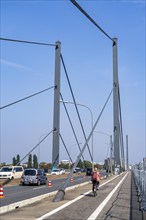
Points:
[139,171]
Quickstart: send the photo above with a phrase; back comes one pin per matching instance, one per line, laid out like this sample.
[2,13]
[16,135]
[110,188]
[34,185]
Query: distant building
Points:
[25,165]
[64,162]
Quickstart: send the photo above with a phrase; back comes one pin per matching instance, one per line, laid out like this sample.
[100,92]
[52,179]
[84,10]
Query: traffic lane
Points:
[55,185]
[19,193]
[84,207]
[14,189]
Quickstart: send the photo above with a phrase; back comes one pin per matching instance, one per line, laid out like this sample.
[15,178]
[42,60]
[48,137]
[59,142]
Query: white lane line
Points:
[70,202]
[62,207]
[40,187]
[101,206]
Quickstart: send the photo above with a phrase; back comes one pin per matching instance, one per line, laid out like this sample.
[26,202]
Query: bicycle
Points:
[95,187]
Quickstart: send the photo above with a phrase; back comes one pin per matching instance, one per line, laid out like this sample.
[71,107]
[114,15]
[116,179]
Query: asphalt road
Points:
[13,194]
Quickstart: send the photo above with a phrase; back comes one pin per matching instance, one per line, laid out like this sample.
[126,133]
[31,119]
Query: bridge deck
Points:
[122,205]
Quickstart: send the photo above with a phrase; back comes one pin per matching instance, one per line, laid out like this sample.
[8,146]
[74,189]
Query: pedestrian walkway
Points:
[135,204]
[123,205]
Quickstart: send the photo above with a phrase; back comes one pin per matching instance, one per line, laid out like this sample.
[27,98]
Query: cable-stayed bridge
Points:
[117,144]
[117,154]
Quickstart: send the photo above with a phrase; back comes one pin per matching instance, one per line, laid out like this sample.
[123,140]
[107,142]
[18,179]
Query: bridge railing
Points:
[139,171]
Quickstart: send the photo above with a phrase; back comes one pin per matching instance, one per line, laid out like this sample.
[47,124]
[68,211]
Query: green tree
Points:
[2,164]
[49,165]
[35,161]
[87,163]
[80,164]
[14,161]
[30,161]
[18,159]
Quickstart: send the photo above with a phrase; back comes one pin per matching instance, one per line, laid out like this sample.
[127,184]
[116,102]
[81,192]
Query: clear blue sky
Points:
[27,69]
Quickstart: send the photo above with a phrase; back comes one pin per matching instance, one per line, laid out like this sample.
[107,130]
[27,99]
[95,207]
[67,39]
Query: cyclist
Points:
[95,177]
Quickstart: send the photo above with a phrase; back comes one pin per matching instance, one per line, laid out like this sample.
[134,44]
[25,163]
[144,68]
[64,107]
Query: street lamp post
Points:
[73,103]
[39,149]
[69,158]
[111,148]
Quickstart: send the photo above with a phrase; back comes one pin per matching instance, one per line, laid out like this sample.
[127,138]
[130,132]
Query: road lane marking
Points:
[40,187]
[102,205]
[70,202]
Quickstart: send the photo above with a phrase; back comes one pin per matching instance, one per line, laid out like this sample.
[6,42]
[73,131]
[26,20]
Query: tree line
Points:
[31,163]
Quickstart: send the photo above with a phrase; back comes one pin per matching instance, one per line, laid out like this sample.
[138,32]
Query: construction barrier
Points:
[1,192]
[49,183]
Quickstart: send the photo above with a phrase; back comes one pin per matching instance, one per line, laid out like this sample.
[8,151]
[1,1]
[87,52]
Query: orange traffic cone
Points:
[1,192]
[49,183]
[71,179]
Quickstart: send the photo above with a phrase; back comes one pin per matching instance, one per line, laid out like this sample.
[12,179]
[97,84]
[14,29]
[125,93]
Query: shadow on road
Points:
[5,182]
[88,195]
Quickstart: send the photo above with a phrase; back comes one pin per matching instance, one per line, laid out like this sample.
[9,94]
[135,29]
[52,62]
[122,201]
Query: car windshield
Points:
[6,169]
[55,170]
[30,172]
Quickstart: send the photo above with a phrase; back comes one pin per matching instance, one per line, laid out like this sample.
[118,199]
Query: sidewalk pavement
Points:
[124,203]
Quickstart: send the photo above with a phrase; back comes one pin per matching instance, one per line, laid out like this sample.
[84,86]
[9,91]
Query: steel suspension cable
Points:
[71,125]
[75,104]
[65,148]
[27,42]
[89,17]
[35,147]
[87,140]
[30,96]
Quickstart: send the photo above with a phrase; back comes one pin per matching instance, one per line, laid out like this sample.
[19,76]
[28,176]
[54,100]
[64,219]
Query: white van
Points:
[11,172]
[34,176]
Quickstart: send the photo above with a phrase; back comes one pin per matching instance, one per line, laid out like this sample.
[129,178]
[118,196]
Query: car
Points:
[117,170]
[46,170]
[103,175]
[34,176]
[55,172]
[62,171]
[89,171]
[77,170]
[11,172]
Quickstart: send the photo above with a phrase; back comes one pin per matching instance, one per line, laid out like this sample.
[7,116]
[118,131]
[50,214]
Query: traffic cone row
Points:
[1,192]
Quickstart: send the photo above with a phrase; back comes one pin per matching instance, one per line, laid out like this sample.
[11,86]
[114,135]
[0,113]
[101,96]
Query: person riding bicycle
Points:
[95,177]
